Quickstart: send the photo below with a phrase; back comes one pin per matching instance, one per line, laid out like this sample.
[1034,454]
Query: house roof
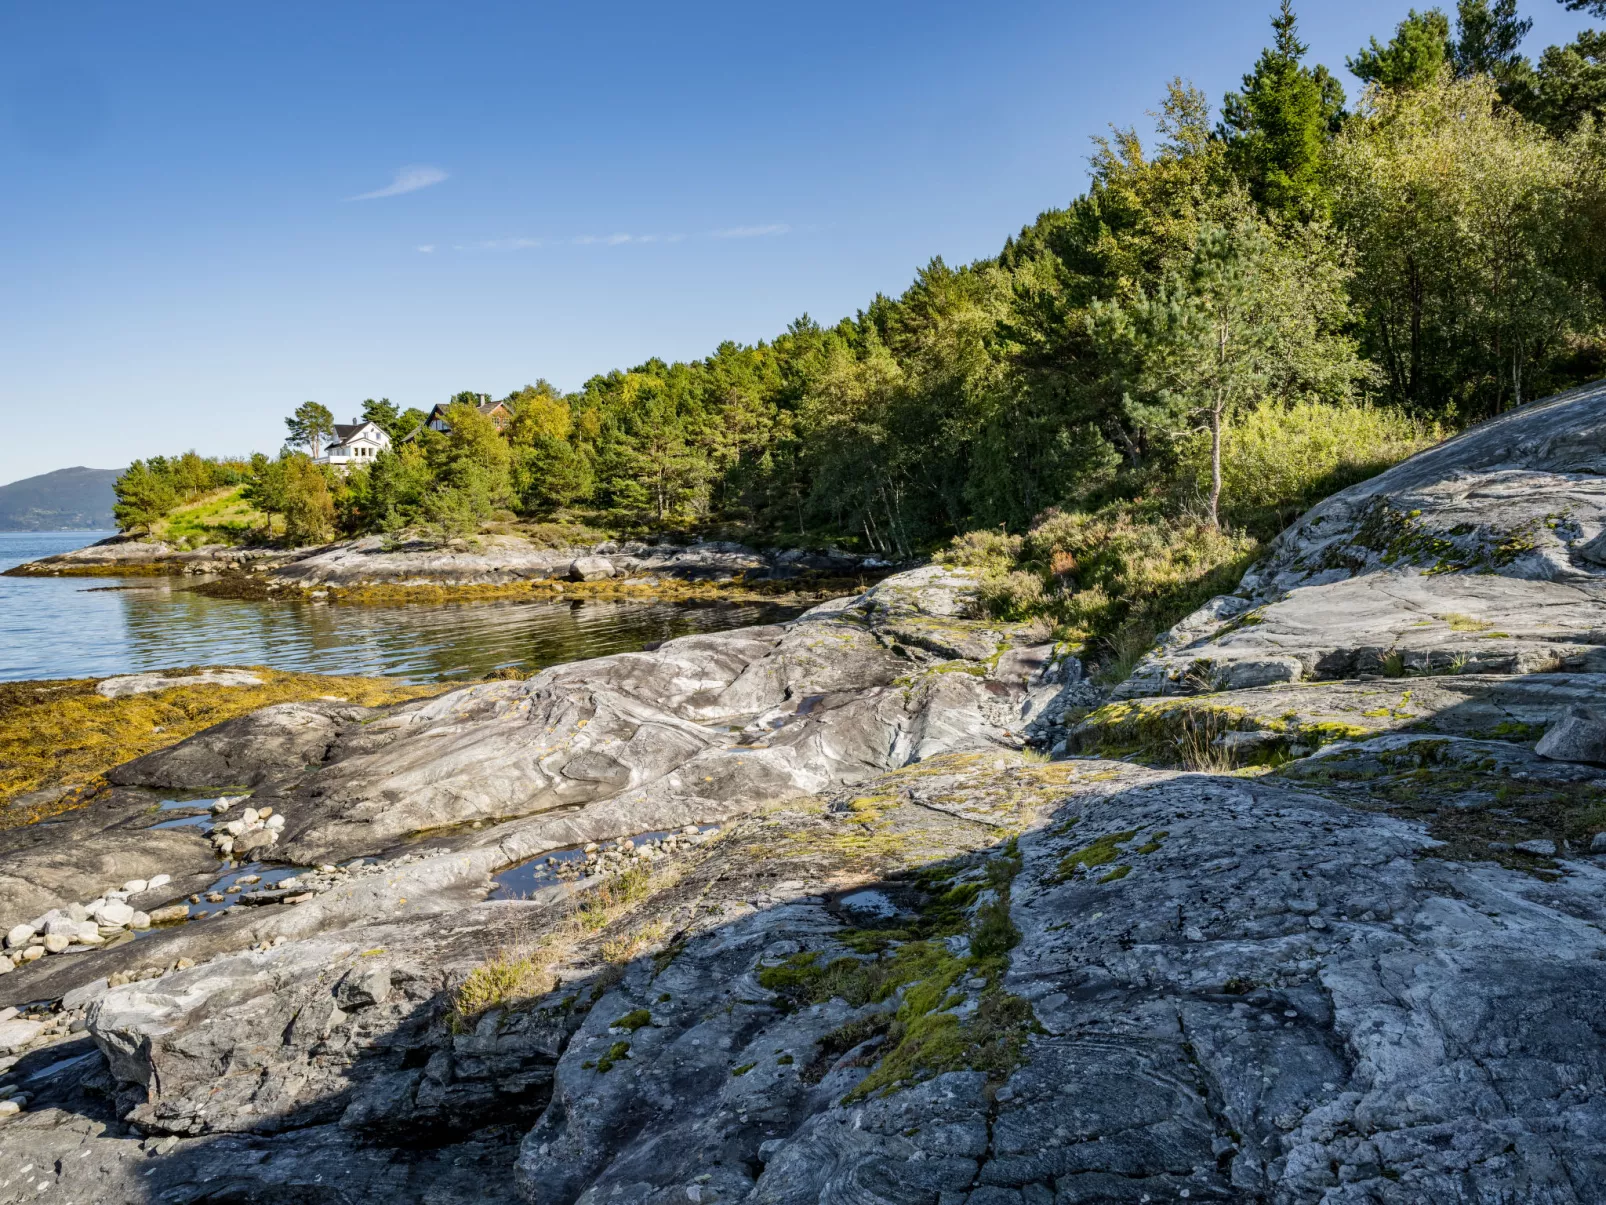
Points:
[346,432]
[483,408]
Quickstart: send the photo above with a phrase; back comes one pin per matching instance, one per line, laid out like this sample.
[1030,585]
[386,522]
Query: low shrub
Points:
[1279,460]
[1114,576]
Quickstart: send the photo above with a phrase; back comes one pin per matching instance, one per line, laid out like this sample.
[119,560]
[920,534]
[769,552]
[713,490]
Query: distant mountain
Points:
[76,499]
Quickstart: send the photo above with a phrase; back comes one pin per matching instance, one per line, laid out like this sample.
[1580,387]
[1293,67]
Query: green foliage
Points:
[1277,128]
[388,494]
[1490,35]
[148,490]
[1279,460]
[144,495]
[470,467]
[1111,578]
[1476,251]
[310,427]
[1414,58]
[1248,316]
[1569,84]
[1438,253]
[298,491]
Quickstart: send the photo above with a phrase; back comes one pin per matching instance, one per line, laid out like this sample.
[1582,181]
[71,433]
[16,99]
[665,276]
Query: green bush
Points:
[1278,461]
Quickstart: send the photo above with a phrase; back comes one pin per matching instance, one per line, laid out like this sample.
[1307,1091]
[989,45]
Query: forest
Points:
[1264,300]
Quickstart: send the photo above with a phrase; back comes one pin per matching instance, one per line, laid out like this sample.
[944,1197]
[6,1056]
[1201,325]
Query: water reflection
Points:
[77,627]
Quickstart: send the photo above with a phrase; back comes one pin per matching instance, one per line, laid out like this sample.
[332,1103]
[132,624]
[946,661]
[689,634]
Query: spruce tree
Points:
[1490,37]
[1277,128]
[1414,56]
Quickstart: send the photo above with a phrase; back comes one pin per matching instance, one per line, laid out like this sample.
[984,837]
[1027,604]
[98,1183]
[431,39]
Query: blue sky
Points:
[212,212]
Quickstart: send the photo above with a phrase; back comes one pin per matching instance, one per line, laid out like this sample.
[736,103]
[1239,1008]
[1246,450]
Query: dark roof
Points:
[347,431]
[483,407]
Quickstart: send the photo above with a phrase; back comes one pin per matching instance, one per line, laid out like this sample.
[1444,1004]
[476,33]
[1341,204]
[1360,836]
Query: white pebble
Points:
[135,886]
[161,880]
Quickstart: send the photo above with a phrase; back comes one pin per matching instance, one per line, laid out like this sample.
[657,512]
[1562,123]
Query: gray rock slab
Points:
[139,684]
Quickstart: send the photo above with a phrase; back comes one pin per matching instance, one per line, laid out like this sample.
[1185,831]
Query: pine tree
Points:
[1490,37]
[309,426]
[1413,58]
[1277,128]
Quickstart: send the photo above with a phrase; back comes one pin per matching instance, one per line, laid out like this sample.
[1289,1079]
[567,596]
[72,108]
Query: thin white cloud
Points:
[408,179]
[617,239]
[502,244]
[752,231]
[426,248]
[612,240]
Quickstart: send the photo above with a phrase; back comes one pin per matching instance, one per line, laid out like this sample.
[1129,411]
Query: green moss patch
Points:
[922,1036]
[1100,853]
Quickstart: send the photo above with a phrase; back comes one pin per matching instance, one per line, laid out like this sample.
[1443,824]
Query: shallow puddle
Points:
[268,876]
[204,820]
[203,817]
[523,879]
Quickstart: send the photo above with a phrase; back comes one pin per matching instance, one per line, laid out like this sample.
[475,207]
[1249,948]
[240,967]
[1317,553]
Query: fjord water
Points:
[77,627]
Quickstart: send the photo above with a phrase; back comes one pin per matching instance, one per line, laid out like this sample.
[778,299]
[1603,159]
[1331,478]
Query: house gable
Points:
[498,412]
[355,442]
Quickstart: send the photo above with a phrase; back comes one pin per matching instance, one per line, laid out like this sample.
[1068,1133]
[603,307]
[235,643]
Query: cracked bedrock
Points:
[1359,957]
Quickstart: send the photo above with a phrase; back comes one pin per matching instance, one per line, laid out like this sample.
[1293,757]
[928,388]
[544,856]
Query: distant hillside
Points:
[77,499]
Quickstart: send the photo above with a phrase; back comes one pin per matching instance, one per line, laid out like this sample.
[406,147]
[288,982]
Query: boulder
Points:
[243,752]
[590,569]
[1579,736]
[17,1034]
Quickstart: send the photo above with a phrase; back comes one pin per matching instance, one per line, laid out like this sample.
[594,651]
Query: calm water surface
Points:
[78,627]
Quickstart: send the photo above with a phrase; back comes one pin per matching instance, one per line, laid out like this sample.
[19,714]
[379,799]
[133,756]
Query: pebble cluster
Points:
[78,926]
[616,857]
[255,829]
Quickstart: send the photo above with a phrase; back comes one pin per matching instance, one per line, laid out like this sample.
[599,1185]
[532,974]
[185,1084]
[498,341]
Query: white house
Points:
[354,443]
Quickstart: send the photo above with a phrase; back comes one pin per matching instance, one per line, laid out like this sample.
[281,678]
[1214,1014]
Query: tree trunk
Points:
[1415,380]
[1215,464]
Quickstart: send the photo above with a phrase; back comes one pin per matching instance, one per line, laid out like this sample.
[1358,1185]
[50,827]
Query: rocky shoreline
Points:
[376,569]
[1312,910]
